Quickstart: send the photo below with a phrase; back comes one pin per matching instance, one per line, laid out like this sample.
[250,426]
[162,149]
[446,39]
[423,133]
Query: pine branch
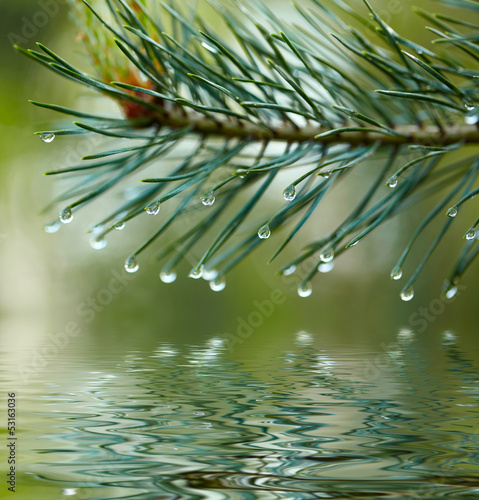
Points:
[335,100]
[218,127]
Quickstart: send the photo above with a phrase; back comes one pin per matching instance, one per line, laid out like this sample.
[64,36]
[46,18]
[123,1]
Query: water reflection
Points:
[196,421]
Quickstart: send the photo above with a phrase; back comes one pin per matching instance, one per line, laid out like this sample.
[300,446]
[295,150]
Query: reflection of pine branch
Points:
[335,102]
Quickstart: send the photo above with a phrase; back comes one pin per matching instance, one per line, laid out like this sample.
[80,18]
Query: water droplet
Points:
[69,491]
[305,289]
[326,174]
[289,270]
[153,208]
[97,229]
[168,276]
[327,255]
[131,265]
[289,194]
[470,235]
[53,227]
[209,274]
[208,199]
[472,117]
[47,137]
[354,243]
[469,104]
[98,243]
[393,182]
[326,267]
[452,212]
[66,215]
[197,273]
[407,294]
[241,172]
[218,284]
[396,274]
[451,291]
[119,226]
[209,47]
[264,232]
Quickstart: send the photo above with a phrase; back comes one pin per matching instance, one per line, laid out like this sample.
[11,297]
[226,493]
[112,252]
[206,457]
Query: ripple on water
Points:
[196,421]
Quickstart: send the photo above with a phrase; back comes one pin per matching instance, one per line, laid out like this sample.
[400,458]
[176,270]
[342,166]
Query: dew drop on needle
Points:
[289,194]
[131,265]
[153,208]
[66,215]
[264,232]
[47,137]
[208,199]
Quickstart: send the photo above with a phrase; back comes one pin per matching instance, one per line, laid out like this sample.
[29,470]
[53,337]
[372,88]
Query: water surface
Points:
[198,421]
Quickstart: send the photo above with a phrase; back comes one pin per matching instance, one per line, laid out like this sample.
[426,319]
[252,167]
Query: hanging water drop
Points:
[47,137]
[98,243]
[289,194]
[208,199]
[218,284]
[469,104]
[327,256]
[407,294]
[452,212]
[66,215]
[264,232]
[326,174]
[396,274]
[305,289]
[209,274]
[471,234]
[472,117]
[354,243]
[119,226]
[451,291]
[326,267]
[196,273]
[52,227]
[131,265]
[168,276]
[289,270]
[153,208]
[393,182]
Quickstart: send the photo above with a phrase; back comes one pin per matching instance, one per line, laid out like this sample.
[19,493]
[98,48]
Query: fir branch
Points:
[330,95]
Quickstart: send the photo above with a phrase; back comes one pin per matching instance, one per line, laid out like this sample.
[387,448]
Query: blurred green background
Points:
[47,277]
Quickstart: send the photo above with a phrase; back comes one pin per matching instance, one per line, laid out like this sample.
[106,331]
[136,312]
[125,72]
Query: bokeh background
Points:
[46,277]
